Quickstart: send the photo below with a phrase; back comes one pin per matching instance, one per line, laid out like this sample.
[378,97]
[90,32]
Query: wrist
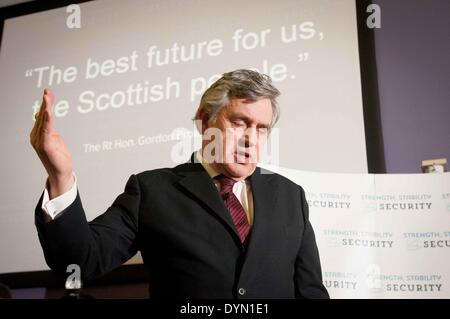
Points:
[58,185]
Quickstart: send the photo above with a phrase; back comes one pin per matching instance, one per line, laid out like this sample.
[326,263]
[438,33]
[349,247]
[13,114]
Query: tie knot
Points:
[226,183]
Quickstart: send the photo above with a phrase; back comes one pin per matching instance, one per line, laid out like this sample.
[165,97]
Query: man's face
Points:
[243,126]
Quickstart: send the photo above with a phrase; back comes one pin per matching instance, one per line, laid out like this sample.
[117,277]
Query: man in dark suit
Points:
[217,226]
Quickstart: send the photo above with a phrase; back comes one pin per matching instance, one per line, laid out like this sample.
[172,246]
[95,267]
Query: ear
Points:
[203,119]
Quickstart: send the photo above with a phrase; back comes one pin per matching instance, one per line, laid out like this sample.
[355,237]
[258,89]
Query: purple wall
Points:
[413,63]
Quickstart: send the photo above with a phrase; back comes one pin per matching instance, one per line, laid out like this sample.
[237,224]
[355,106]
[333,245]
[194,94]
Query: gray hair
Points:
[238,84]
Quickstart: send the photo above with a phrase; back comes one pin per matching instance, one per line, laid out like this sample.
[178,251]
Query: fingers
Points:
[43,123]
[48,99]
[44,118]
[48,94]
[39,119]
[37,125]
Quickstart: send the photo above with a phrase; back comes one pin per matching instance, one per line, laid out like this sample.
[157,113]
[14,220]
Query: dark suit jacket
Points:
[187,238]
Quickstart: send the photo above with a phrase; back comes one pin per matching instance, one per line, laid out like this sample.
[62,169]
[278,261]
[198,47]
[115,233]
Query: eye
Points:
[238,122]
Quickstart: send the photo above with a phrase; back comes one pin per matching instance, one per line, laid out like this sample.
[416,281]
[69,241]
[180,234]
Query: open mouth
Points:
[242,157]
[243,154]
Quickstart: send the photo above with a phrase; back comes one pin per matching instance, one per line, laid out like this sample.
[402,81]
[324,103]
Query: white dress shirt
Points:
[242,189]
[54,207]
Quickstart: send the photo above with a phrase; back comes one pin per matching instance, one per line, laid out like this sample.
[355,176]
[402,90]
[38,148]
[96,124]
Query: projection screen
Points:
[128,80]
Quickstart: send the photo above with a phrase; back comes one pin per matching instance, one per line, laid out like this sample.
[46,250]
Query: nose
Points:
[249,139]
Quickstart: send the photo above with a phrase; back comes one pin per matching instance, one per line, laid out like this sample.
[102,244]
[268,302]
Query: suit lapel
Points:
[264,198]
[197,182]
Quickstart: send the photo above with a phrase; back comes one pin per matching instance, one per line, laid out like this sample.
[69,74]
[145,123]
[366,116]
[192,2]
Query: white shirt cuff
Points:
[55,206]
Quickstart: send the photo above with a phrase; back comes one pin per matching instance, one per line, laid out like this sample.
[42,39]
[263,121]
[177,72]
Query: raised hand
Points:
[52,149]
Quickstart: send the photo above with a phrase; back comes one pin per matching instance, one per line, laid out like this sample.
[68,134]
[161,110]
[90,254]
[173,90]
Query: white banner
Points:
[380,236]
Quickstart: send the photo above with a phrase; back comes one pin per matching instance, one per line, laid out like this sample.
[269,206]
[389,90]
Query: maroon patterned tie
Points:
[235,208]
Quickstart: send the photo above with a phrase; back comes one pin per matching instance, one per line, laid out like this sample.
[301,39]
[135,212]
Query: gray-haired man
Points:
[214,227]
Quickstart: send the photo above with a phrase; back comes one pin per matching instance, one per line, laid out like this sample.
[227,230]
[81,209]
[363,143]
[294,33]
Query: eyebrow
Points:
[247,119]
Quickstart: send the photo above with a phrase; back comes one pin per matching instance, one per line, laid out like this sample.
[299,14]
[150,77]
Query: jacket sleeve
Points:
[308,273]
[98,246]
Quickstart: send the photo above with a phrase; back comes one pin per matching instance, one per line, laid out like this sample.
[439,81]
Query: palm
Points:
[49,144]
[57,152]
